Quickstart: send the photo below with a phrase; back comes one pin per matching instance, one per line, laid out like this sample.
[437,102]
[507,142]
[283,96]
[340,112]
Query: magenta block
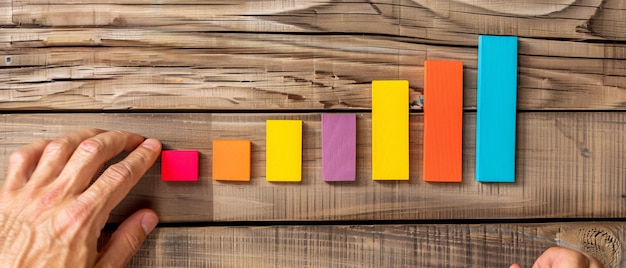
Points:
[339,147]
[179,165]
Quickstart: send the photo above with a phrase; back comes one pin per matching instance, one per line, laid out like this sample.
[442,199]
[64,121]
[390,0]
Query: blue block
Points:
[497,109]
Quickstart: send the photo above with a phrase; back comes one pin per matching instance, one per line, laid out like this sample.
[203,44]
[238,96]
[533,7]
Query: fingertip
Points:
[152,144]
[22,163]
[149,221]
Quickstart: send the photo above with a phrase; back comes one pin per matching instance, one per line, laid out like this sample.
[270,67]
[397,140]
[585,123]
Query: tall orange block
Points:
[443,121]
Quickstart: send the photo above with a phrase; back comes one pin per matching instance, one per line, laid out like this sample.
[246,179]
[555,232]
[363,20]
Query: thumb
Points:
[127,239]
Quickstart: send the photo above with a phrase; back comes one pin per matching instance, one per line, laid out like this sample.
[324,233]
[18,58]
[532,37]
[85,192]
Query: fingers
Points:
[118,179]
[91,154]
[22,163]
[127,239]
[56,154]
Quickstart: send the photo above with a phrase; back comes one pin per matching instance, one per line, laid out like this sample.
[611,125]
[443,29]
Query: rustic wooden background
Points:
[188,72]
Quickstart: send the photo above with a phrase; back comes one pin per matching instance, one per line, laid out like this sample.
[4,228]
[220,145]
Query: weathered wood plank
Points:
[6,13]
[568,165]
[141,69]
[602,23]
[437,21]
[296,54]
[444,245]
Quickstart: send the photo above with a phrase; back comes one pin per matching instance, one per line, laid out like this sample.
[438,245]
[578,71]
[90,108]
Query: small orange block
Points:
[231,160]
[443,121]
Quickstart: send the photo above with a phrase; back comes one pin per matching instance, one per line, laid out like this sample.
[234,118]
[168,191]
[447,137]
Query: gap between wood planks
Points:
[113,226]
[257,111]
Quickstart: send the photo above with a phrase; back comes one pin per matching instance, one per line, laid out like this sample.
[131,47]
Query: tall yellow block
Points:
[283,153]
[390,130]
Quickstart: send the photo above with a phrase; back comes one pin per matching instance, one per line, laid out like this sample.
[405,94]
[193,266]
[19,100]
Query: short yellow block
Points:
[283,152]
[390,130]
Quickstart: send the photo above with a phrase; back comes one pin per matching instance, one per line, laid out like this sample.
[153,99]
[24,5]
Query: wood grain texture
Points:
[568,165]
[6,11]
[250,55]
[428,245]
[539,19]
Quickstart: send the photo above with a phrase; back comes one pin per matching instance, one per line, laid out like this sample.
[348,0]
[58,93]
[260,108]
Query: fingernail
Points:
[148,222]
[150,144]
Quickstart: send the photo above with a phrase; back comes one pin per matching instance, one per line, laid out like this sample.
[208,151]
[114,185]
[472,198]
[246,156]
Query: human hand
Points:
[49,214]
[558,257]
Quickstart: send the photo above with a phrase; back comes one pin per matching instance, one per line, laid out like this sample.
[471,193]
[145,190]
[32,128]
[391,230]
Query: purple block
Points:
[339,147]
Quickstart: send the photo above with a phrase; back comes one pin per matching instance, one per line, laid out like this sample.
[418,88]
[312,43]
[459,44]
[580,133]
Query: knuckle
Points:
[48,199]
[92,147]
[132,242]
[78,212]
[59,145]
[141,157]
[120,172]
[18,157]
[26,153]
[73,218]
[120,132]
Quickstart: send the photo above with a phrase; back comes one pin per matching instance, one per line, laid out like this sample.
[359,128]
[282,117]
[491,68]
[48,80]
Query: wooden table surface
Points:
[188,72]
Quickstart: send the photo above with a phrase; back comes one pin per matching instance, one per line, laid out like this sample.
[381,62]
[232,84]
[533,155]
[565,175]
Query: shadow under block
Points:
[390,130]
[231,160]
[443,121]
[179,165]
[496,109]
[283,151]
[338,147]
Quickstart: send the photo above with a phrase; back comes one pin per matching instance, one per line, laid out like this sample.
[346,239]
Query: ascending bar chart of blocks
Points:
[442,139]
